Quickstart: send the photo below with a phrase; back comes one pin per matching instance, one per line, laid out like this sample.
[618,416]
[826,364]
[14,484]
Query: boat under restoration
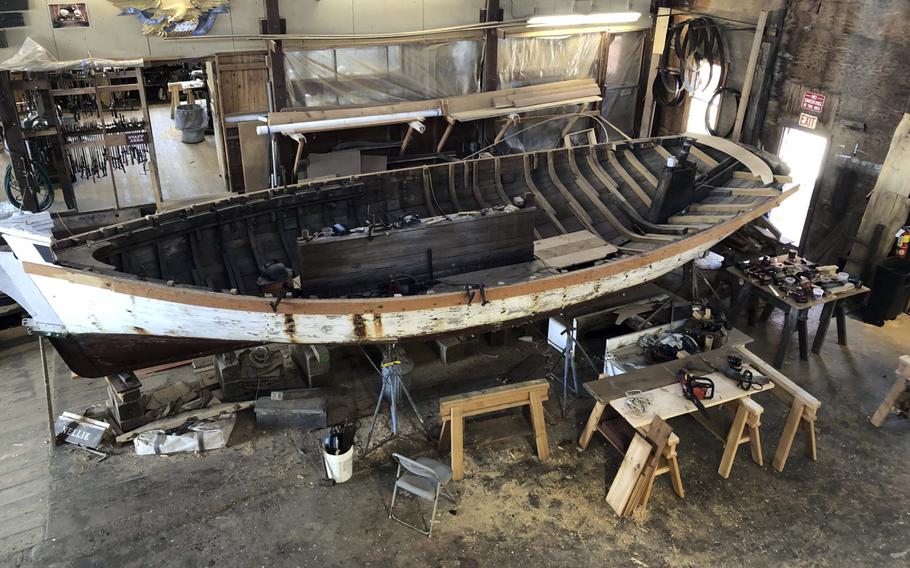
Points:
[451,248]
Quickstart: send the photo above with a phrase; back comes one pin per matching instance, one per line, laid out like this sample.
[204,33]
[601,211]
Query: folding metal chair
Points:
[423,478]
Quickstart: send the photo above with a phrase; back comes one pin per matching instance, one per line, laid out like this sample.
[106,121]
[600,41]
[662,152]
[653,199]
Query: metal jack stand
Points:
[567,354]
[393,386]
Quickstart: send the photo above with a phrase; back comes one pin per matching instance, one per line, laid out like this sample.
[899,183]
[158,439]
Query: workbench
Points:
[178,87]
[796,314]
[660,384]
[607,391]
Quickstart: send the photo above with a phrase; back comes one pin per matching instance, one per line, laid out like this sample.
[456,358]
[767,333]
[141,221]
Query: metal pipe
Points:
[353,122]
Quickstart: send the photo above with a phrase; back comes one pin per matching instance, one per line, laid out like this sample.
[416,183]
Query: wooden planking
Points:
[716,207]
[572,249]
[633,463]
[254,155]
[658,436]
[745,191]
[359,262]
[633,185]
[693,218]
[667,401]
[242,90]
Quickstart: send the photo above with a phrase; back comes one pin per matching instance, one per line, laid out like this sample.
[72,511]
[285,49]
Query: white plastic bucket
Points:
[341,467]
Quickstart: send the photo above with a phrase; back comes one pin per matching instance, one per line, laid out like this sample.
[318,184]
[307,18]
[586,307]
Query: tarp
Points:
[32,56]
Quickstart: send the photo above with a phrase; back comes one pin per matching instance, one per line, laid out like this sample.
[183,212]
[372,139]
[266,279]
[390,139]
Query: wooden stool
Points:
[454,409]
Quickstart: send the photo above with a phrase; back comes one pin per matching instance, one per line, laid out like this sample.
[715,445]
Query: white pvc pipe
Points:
[342,123]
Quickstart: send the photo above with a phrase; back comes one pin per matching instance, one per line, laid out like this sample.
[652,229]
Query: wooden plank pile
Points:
[631,489]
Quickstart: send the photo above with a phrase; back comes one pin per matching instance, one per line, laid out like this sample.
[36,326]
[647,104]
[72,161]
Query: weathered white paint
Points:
[102,310]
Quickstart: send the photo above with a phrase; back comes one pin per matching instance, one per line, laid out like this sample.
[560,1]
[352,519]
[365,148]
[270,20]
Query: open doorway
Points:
[804,152]
[188,162]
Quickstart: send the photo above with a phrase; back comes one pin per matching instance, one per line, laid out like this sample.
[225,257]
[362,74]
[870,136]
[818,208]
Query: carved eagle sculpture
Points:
[170,18]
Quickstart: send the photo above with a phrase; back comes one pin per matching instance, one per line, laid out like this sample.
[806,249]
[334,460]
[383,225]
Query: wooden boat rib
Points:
[190,281]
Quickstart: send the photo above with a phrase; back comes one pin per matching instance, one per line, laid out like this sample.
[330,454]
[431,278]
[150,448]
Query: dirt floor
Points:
[260,501]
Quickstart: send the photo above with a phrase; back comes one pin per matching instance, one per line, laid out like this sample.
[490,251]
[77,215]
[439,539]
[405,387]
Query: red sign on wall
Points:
[813,102]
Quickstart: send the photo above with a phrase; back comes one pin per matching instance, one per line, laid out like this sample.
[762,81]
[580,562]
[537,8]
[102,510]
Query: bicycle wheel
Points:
[38,180]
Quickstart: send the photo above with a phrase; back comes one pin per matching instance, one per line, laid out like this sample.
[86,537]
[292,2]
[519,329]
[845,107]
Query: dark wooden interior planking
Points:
[360,263]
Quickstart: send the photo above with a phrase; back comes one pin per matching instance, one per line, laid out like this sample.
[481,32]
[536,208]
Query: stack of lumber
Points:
[632,485]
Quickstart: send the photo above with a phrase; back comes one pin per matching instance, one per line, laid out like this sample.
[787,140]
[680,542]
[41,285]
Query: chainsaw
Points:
[695,388]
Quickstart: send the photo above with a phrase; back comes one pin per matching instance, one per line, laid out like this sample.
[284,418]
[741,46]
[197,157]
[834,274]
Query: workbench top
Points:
[607,388]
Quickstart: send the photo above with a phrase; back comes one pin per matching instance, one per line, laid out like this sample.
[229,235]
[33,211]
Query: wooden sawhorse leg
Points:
[841,322]
[671,465]
[786,336]
[540,427]
[797,416]
[734,438]
[824,321]
[591,426]
[803,331]
[457,427]
[741,297]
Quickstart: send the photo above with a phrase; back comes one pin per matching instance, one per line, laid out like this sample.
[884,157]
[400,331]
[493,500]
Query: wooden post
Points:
[490,78]
[153,157]
[750,76]
[661,26]
[276,56]
[52,435]
[61,163]
[15,142]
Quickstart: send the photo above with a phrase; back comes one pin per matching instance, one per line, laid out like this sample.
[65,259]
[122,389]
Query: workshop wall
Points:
[855,53]
[111,35]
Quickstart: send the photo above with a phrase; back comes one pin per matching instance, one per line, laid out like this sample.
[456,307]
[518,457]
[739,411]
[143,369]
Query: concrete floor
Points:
[185,170]
[259,502]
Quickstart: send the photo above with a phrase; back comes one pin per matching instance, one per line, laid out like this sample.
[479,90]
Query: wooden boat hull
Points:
[102,323]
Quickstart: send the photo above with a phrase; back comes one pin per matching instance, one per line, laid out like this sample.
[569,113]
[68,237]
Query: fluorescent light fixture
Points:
[584,19]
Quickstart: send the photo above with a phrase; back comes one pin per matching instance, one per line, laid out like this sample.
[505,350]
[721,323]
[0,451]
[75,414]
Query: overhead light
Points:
[584,19]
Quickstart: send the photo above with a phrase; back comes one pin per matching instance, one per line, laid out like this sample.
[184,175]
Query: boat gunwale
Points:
[190,295]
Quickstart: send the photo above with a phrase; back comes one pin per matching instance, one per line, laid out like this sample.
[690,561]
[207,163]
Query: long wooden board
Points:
[633,463]
[572,249]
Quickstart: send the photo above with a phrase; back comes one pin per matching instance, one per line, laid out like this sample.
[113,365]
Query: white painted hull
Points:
[102,310]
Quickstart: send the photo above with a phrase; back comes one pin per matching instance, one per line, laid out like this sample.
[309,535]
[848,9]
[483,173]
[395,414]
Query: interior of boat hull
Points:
[603,192]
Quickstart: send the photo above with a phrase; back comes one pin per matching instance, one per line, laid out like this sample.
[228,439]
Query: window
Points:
[707,80]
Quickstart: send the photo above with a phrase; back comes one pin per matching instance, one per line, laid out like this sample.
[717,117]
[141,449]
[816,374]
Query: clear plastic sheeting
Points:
[543,130]
[621,76]
[382,74]
[32,56]
[526,61]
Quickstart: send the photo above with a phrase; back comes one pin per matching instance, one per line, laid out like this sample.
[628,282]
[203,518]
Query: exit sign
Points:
[808,121]
[813,102]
